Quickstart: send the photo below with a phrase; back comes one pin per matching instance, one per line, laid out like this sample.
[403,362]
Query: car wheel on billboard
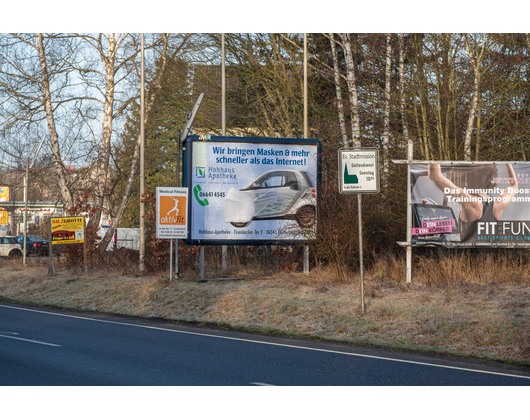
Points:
[306,216]
[239,225]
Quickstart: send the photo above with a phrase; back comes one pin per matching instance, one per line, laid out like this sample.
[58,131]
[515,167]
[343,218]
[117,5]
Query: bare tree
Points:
[338,90]
[166,53]
[386,123]
[476,54]
[352,89]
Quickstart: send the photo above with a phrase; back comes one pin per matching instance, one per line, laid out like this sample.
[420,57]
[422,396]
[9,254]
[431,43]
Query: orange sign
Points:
[172,210]
[171,213]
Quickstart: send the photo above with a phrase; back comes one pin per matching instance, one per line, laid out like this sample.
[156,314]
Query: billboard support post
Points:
[170,259]
[202,262]
[409,216]
[84,246]
[358,173]
[361,265]
[51,269]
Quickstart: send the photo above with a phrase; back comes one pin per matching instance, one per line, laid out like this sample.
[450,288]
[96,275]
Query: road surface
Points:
[52,347]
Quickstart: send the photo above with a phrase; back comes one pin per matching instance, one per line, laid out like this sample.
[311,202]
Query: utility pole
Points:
[26,183]
[306,135]
[142,166]
[224,248]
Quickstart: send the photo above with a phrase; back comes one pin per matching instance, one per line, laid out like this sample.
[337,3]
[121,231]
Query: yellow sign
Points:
[4,193]
[67,230]
[3,218]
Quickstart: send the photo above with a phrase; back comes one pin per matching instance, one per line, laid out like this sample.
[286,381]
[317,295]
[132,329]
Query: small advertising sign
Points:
[67,230]
[171,213]
[4,194]
[358,170]
[3,218]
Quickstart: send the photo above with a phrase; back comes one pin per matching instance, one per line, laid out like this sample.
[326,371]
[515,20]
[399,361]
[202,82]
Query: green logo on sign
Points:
[349,179]
[196,191]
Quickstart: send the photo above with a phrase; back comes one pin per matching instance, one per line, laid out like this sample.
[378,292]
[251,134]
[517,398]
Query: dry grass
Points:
[476,305]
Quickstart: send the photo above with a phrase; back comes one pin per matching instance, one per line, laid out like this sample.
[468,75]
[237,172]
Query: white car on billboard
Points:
[276,194]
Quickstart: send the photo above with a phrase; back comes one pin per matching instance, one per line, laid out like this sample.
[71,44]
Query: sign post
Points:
[66,230]
[359,174]
[171,218]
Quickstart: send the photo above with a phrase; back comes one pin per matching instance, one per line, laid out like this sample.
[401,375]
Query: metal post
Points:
[142,165]
[26,184]
[176,258]
[361,265]
[84,246]
[51,269]
[224,250]
[408,273]
[202,262]
[178,184]
[306,135]
[170,259]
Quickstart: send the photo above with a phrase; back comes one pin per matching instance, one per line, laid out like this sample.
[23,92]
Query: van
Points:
[124,238]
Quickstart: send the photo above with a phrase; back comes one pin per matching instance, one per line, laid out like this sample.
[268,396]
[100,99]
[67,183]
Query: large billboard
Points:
[471,204]
[252,190]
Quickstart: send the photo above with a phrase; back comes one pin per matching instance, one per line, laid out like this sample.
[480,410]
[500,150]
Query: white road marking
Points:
[390,359]
[261,384]
[30,341]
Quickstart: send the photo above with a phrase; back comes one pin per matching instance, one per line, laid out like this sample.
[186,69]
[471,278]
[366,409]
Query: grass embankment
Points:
[454,306]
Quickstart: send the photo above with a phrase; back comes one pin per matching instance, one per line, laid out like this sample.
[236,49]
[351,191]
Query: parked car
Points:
[34,244]
[9,247]
[276,194]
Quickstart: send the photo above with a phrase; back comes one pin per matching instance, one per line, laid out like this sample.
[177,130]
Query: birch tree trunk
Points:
[136,154]
[402,87]
[352,90]
[104,150]
[66,194]
[476,59]
[474,101]
[338,90]
[386,122]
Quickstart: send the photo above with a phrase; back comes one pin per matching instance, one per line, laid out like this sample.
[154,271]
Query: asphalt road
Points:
[50,347]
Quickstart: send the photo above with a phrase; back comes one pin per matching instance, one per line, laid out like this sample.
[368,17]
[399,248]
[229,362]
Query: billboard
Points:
[67,230]
[251,190]
[3,217]
[171,213]
[4,194]
[468,204]
[358,170]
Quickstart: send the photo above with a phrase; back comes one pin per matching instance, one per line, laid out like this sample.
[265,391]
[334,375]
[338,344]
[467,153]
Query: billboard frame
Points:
[376,176]
[469,164]
[187,159]
[66,242]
